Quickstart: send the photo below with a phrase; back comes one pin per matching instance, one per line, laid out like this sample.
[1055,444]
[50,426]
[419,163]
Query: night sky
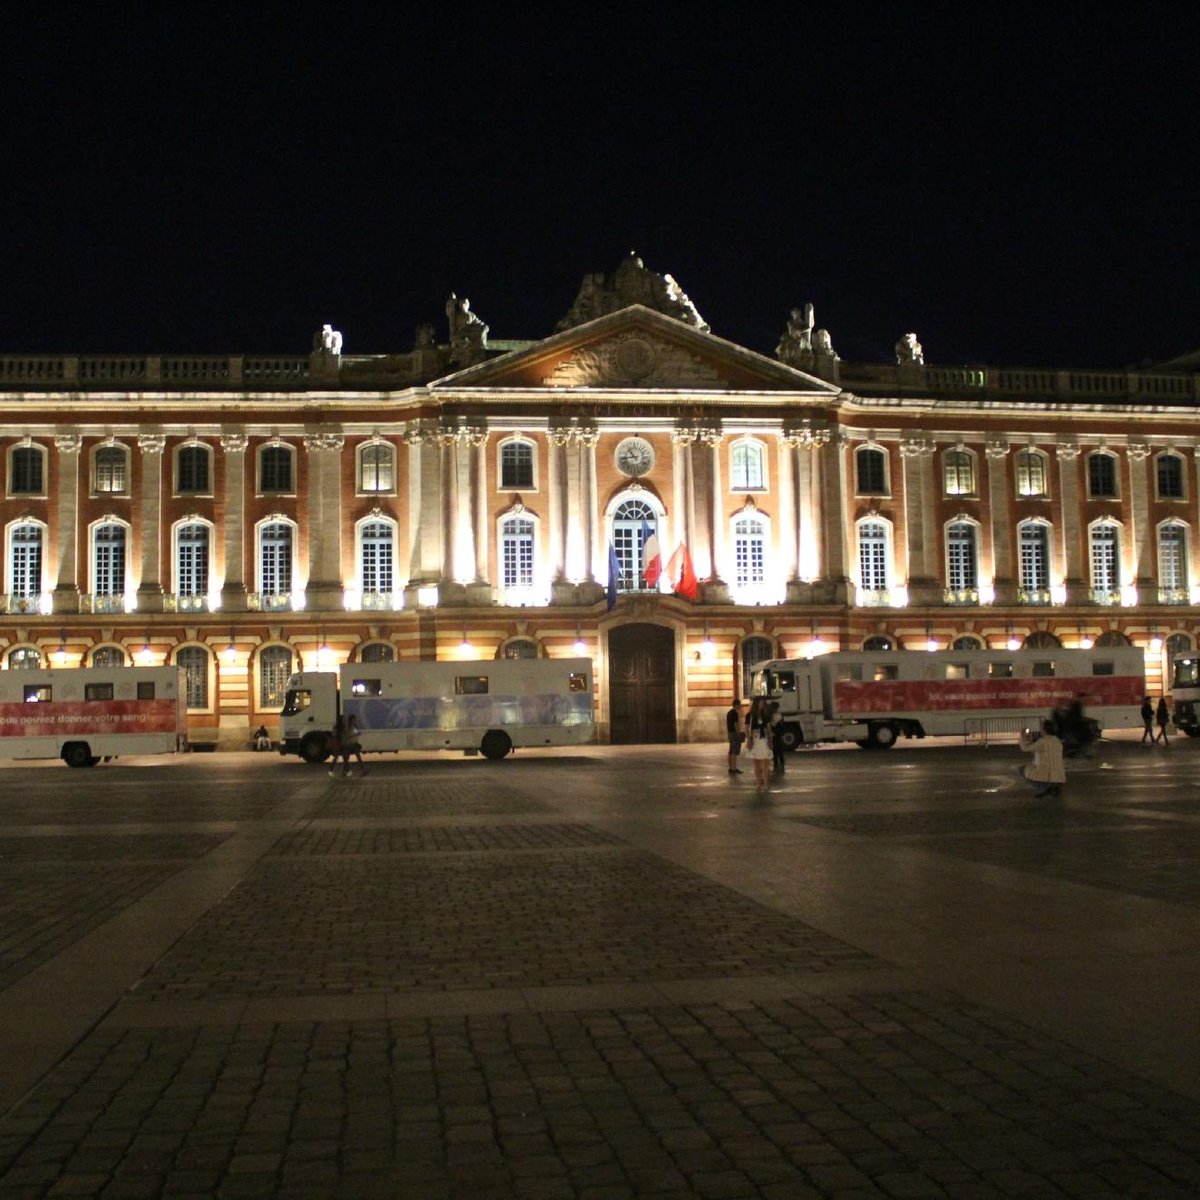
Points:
[1017,185]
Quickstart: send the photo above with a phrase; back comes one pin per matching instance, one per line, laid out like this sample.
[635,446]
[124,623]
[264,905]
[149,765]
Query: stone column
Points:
[150,590]
[830,514]
[787,525]
[1004,582]
[684,493]
[717,589]
[562,591]
[480,591]
[65,526]
[920,514]
[324,519]
[448,508]
[1070,536]
[233,590]
[589,508]
[1140,554]
[706,515]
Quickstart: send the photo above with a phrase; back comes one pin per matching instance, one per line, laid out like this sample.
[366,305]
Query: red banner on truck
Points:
[75,718]
[854,697]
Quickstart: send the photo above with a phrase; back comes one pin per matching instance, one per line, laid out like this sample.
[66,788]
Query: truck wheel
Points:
[495,745]
[881,736]
[78,754]
[791,737]
[314,748]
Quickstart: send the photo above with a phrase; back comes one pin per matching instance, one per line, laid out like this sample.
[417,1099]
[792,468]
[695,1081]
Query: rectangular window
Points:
[145,689]
[958,671]
[885,671]
[576,682]
[1104,668]
[1102,476]
[1043,670]
[275,469]
[97,691]
[367,687]
[516,465]
[1000,670]
[471,685]
[26,476]
[376,473]
[193,469]
[37,693]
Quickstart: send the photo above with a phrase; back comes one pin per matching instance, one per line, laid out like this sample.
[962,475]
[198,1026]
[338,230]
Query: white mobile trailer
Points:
[874,697]
[84,714]
[489,706]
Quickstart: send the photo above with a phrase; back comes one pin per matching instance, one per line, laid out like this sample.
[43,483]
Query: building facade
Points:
[245,516]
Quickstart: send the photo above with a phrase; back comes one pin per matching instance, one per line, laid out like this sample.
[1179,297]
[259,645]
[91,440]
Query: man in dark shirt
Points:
[733,729]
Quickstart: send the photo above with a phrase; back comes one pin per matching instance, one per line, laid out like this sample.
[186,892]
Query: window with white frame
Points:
[962,557]
[749,551]
[873,573]
[1033,551]
[24,658]
[26,471]
[108,559]
[377,557]
[516,464]
[629,518]
[111,470]
[192,470]
[516,552]
[1105,545]
[747,466]
[1170,475]
[958,473]
[195,661]
[1031,473]
[377,467]
[275,541]
[275,469]
[1102,476]
[26,543]
[274,669]
[1172,556]
[191,559]
[870,465]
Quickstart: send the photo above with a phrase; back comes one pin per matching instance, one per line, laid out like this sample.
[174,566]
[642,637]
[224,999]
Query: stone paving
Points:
[448,980]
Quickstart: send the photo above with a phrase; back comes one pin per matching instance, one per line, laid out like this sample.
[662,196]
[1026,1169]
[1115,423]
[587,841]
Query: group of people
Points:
[757,730]
[1151,717]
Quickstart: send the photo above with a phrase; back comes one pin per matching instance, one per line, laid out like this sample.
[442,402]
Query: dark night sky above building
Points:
[1018,185]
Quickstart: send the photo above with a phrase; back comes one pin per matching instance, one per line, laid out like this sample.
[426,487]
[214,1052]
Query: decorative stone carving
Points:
[631,283]
[795,346]
[711,438]
[151,443]
[683,436]
[807,437]
[916,445]
[468,333]
[323,441]
[909,352]
[67,443]
[327,342]
[425,336]
[1067,450]
[234,443]
[1138,451]
[996,447]
[630,359]
[560,435]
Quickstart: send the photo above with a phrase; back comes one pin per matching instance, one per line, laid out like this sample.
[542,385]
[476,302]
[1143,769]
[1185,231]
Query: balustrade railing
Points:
[1033,596]
[874,597]
[176,602]
[92,602]
[269,601]
[1104,596]
[16,603]
[1176,595]
[379,601]
[961,596]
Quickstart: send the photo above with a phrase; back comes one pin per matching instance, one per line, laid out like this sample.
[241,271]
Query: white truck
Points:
[1185,692]
[875,697]
[490,706]
[82,715]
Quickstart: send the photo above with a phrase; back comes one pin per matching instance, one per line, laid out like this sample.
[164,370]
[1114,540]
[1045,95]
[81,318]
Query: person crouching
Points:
[1046,774]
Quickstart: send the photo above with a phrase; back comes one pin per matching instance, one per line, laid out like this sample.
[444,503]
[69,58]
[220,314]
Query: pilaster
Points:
[324,589]
[233,590]
[1075,580]
[150,590]
[66,524]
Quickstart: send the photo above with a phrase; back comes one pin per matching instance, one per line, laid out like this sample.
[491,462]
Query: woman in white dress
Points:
[758,742]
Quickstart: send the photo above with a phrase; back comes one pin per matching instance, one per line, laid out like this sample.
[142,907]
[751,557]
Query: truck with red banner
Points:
[83,715]
[875,697]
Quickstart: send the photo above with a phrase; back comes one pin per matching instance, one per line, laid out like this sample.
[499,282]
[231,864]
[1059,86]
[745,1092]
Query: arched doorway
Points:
[641,684]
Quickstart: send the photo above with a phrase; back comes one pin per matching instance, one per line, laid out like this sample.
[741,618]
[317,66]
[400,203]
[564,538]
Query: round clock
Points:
[635,456]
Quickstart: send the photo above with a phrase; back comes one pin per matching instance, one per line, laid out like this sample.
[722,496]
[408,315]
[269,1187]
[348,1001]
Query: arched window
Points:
[1112,637]
[755,651]
[1102,476]
[516,552]
[1042,639]
[870,465]
[1172,563]
[111,470]
[108,656]
[520,648]
[26,471]
[1104,540]
[377,652]
[1033,544]
[24,658]
[628,520]
[275,542]
[874,561]
[24,566]
[1031,473]
[968,641]
[516,464]
[275,469]
[108,561]
[192,475]
[274,668]
[878,642]
[749,551]
[1178,643]
[1170,475]
[195,662]
[962,559]
[191,561]
[376,468]
[747,471]
[958,471]
[376,562]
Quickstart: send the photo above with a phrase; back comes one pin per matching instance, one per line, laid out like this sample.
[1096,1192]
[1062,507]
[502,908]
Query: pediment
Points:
[636,349]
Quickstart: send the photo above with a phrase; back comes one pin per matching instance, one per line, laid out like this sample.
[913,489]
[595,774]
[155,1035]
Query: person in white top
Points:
[1046,774]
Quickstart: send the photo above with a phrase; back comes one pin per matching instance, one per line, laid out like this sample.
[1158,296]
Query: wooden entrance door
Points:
[641,684]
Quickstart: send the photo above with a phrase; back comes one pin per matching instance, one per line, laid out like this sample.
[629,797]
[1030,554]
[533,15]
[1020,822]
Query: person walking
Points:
[1046,774]
[1147,721]
[735,734]
[758,742]
[352,745]
[334,745]
[1162,715]
[777,748]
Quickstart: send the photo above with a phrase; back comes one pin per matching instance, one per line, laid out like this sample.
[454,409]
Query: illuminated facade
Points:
[245,516]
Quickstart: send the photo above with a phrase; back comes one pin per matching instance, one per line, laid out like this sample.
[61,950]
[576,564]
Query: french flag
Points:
[651,555]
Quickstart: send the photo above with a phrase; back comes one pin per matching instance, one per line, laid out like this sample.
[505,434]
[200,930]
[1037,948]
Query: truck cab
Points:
[310,709]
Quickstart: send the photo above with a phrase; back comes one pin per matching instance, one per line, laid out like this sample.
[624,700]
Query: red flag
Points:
[681,570]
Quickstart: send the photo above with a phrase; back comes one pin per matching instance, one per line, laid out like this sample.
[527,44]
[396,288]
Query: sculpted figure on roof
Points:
[908,350]
[631,283]
[468,333]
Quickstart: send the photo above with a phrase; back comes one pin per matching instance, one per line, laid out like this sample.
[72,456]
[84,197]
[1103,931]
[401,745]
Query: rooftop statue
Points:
[908,351]
[631,283]
[795,347]
[468,333]
[328,341]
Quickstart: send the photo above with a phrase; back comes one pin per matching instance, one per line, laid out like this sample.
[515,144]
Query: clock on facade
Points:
[635,456]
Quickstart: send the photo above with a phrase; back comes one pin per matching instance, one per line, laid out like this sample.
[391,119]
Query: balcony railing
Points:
[269,601]
[961,596]
[91,602]
[379,601]
[175,602]
[1033,596]
[1104,596]
[874,597]
[14,603]
[1167,595]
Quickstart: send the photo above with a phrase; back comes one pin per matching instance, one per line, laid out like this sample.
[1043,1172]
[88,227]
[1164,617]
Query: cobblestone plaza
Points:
[601,973]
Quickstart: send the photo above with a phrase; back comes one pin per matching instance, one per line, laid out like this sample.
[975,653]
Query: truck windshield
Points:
[296,700]
[1187,672]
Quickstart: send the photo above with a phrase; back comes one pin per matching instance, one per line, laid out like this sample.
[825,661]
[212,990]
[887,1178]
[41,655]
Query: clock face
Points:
[635,456]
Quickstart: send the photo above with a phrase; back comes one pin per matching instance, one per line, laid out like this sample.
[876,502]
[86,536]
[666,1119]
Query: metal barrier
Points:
[983,731]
